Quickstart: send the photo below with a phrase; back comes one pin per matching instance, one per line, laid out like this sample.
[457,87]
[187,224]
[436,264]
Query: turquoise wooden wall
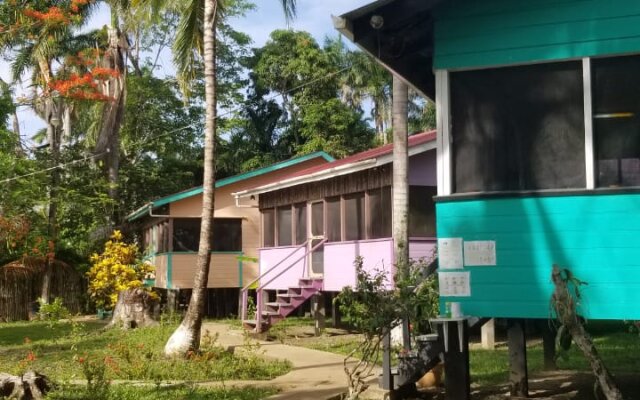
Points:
[595,236]
[475,33]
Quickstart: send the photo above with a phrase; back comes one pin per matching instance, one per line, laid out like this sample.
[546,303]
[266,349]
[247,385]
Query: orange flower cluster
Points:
[83,87]
[53,16]
[77,4]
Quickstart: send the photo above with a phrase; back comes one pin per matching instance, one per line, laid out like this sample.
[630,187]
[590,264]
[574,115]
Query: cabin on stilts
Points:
[538,151]
[316,222]
[170,233]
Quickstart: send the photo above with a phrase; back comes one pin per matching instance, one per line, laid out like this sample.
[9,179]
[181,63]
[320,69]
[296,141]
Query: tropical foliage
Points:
[117,268]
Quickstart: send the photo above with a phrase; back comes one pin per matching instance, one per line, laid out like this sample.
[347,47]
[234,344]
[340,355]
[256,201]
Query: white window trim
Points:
[443,126]
[589,155]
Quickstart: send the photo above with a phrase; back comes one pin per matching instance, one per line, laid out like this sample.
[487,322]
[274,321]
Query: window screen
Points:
[317,219]
[354,217]
[333,228]
[301,223]
[227,234]
[616,112]
[268,227]
[422,211]
[285,229]
[518,128]
[379,213]
[186,234]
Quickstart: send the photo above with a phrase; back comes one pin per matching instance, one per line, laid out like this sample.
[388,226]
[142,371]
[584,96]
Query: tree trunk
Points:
[30,386]
[52,117]
[187,336]
[565,309]
[133,310]
[400,177]
[113,112]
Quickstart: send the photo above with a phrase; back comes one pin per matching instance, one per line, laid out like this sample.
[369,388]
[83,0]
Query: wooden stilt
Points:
[548,344]
[456,360]
[318,312]
[488,334]
[518,377]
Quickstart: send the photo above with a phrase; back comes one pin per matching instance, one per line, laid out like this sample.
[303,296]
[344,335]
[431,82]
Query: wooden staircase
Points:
[269,313]
[285,304]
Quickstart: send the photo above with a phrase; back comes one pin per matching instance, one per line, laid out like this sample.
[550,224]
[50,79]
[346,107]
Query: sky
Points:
[313,16]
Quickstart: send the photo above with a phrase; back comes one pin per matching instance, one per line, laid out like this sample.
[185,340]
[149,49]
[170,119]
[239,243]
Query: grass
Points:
[615,344]
[617,348]
[64,351]
[162,393]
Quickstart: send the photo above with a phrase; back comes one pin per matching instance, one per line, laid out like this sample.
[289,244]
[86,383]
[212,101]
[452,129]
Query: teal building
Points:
[538,143]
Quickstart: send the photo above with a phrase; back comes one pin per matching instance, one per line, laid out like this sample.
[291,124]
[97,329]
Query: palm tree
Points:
[197,36]
[400,177]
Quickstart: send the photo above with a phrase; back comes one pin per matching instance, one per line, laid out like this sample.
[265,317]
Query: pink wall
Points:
[422,249]
[270,257]
[339,270]
[422,169]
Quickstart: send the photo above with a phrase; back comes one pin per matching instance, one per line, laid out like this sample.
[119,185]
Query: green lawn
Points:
[161,393]
[66,352]
[618,348]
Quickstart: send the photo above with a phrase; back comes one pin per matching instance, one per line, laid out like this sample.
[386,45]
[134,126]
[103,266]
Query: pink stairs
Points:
[285,304]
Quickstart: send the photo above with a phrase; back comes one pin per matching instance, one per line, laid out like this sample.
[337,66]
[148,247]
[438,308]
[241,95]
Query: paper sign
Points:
[450,253]
[481,252]
[454,284]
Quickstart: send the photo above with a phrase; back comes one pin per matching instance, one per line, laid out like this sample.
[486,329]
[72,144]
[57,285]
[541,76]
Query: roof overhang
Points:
[329,173]
[404,42]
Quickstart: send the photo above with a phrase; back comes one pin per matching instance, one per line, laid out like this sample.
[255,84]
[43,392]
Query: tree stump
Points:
[133,310]
[30,386]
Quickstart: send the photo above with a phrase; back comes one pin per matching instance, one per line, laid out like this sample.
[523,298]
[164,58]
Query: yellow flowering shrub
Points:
[118,268]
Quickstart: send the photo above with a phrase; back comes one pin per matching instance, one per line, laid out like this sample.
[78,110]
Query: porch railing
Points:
[260,289]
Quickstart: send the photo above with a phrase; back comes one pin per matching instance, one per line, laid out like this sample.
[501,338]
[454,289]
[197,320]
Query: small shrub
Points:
[95,372]
[118,268]
[52,312]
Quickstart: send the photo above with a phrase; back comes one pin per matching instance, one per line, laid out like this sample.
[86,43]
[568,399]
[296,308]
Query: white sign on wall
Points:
[454,284]
[480,252]
[450,253]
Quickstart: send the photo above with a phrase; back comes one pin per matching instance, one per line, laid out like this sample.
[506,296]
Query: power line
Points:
[232,110]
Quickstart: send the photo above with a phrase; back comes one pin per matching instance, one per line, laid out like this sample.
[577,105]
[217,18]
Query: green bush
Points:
[52,312]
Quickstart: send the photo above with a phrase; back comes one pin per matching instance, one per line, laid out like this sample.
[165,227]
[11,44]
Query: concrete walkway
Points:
[315,374]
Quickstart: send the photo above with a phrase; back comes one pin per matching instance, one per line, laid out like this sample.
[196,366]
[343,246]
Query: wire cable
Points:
[232,110]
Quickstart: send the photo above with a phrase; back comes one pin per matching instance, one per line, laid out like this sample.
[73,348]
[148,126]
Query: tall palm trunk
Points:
[401,188]
[187,336]
[400,177]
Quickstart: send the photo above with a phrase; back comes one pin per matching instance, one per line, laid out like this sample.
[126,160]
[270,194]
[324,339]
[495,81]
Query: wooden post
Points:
[548,344]
[456,361]
[318,311]
[387,378]
[518,379]
[488,334]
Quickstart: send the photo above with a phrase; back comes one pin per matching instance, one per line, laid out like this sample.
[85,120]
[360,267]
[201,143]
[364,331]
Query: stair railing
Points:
[260,290]
[245,290]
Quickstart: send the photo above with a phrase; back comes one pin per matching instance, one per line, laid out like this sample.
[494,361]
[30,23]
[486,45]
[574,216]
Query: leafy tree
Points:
[305,76]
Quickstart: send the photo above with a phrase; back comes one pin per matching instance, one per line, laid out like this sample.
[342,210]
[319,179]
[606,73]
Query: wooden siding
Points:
[160,262]
[472,33]
[223,272]
[595,236]
[372,178]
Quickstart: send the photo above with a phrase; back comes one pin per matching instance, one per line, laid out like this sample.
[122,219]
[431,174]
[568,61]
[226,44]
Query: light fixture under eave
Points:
[376,22]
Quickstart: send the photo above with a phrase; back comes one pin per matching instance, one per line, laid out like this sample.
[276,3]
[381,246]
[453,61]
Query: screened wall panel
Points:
[518,128]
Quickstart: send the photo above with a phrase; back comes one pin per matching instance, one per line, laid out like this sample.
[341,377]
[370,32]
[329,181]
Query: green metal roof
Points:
[142,211]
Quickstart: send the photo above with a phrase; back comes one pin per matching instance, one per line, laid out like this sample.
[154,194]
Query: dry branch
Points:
[565,307]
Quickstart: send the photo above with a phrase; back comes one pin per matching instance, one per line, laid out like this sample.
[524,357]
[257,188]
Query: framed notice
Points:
[454,284]
[450,253]
[481,252]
